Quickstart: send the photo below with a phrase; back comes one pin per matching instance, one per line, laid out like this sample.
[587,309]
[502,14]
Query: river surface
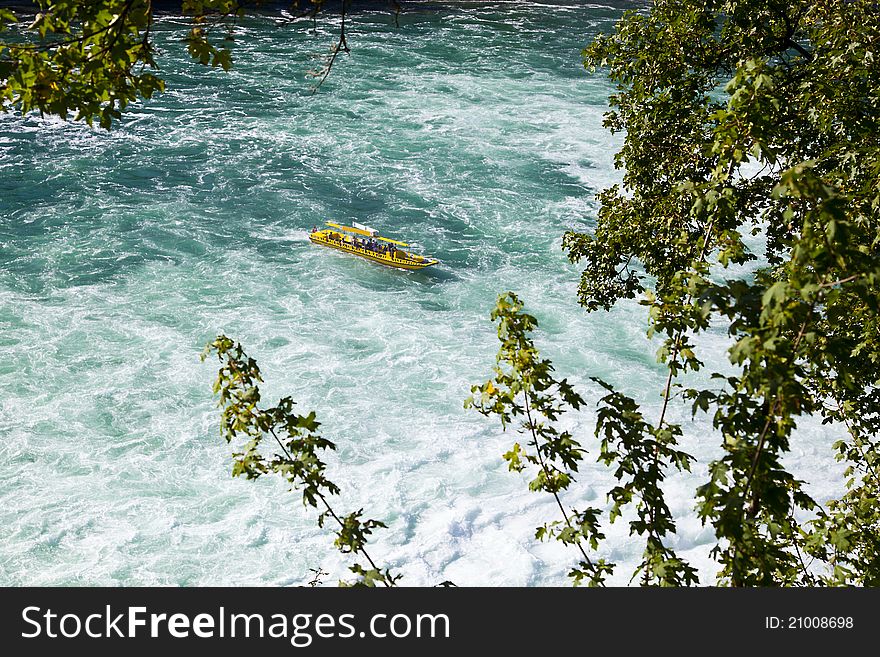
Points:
[472,131]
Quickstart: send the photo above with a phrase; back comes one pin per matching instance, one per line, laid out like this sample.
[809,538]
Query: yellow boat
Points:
[365,242]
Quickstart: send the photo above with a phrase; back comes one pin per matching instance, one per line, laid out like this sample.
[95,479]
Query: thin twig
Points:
[772,412]
[340,46]
[555,493]
[330,510]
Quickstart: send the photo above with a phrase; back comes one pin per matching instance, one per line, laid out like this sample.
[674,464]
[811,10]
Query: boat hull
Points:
[322,238]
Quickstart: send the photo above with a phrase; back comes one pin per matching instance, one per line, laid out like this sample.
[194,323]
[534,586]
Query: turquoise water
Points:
[472,131]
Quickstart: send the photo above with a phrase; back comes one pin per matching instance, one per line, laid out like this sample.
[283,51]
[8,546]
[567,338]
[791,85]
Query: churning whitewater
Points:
[472,131]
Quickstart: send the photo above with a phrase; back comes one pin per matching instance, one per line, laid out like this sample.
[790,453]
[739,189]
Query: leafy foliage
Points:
[295,455]
[90,60]
[755,123]
[524,386]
